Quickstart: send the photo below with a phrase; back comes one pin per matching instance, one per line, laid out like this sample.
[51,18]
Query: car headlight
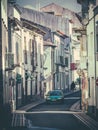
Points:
[60,97]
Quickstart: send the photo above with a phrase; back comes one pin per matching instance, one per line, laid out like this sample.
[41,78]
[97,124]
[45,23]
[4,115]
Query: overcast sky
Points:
[35,4]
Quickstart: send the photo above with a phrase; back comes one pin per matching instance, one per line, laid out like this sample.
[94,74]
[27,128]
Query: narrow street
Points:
[49,54]
[59,120]
[55,116]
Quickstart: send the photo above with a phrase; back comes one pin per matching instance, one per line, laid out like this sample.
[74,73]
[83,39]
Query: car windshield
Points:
[55,93]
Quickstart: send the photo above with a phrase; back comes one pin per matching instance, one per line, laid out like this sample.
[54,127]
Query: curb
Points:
[83,117]
[88,121]
[76,107]
[29,106]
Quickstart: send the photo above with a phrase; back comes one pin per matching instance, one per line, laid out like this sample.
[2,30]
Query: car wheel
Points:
[62,101]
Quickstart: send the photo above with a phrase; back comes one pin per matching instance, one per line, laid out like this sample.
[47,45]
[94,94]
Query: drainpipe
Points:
[95,63]
[1,71]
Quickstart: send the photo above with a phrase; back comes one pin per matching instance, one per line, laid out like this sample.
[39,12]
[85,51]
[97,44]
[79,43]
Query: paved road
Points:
[56,120]
[55,116]
[56,106]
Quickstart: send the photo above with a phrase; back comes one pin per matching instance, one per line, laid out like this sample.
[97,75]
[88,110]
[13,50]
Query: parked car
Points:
[55,96]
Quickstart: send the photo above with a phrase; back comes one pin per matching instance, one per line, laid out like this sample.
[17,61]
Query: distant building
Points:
[62,12]
[61,61]
[74,22]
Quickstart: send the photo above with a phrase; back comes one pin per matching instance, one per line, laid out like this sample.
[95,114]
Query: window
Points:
[25,43]
[30,50]
[17,52]
[25,56]
[96,38]
[66,61]
[97,42]
[25,51]
[61,59]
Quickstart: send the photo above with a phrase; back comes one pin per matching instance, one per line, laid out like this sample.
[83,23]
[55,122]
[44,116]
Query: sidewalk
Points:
[31,105]
[84,117]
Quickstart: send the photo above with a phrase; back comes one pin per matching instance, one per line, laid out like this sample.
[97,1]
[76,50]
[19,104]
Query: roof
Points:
[32,26]
[60,11]
[61,34]
[54,4]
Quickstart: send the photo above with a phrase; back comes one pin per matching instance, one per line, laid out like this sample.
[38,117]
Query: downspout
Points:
[1,71]
[95,64]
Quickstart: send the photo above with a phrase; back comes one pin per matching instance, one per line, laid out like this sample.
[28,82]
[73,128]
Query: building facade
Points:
[4,88]
[61,64]
[89,54]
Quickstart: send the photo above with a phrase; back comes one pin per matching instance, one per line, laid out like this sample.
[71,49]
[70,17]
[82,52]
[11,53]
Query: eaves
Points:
[61,34]
[32,26]
[49,44]
[15,21]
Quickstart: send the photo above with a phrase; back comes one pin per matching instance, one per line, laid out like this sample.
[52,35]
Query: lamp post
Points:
[79,72]
[80,90]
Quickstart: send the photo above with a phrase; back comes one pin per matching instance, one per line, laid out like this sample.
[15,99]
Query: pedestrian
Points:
[72,85]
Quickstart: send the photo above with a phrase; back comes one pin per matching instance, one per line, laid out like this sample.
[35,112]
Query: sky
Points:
[35,4]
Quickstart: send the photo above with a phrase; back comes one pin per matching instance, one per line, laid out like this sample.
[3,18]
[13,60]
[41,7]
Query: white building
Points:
[32,59]
[91,62]
[26,51]
[61,62]
[15,56]
[4,88]
[89,49]
[48,66]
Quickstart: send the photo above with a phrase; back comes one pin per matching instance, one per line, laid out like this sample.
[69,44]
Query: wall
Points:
[91,63]
[4,93]
[47,20]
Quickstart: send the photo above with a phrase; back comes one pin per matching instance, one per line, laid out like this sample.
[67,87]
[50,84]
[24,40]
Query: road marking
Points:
[88,122]
[35,112]
[72,98]
[43,128]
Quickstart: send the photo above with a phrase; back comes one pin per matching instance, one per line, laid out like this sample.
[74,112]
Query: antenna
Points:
[38,5]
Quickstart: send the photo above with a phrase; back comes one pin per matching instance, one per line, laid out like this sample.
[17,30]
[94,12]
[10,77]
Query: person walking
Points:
[72,85]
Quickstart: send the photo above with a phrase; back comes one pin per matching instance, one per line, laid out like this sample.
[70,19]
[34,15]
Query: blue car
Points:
[55,96]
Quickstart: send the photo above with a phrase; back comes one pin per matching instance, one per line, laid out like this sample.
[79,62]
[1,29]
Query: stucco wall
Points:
[47,20]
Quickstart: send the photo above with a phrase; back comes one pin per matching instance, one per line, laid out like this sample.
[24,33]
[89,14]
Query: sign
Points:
[97,82]
[73,66]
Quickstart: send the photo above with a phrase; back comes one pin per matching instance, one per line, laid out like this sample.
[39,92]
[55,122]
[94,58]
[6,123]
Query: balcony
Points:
[9,59]
[9,62]
[61,62]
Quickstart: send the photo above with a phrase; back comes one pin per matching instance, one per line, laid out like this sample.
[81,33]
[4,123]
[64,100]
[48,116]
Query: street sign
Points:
[97,82]
[73,66]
